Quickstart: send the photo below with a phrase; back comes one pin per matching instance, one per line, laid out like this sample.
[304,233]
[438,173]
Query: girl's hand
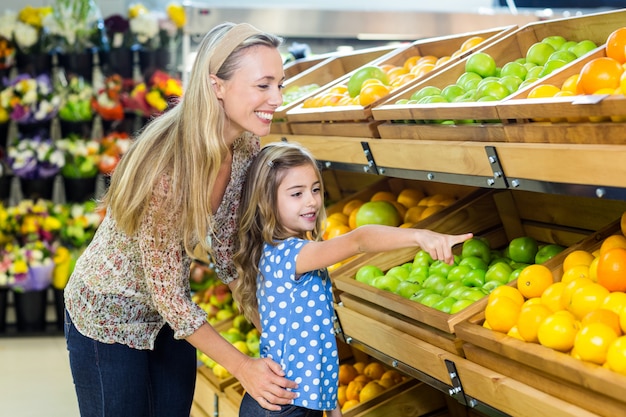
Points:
[439,245]
[264,380]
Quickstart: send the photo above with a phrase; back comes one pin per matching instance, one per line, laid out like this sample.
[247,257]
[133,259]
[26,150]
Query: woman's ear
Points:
[217,85]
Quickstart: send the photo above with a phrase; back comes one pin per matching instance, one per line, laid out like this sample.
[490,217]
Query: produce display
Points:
[360,382]
[582,314]
[477,272]
[373,82]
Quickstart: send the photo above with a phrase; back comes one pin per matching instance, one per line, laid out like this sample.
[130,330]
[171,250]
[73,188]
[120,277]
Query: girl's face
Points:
[299,200]
[254,92]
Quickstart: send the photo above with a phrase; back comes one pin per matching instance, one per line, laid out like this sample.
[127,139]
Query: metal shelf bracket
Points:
[371,167]
[498,180]
[457,388]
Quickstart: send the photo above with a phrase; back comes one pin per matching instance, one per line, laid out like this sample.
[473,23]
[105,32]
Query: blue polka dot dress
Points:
[297,321]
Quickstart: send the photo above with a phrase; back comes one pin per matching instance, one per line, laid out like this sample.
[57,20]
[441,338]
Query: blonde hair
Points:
[258,215]
[187,144]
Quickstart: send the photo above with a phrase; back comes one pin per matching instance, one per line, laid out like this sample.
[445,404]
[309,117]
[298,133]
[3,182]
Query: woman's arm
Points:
[376,238]
[263,379]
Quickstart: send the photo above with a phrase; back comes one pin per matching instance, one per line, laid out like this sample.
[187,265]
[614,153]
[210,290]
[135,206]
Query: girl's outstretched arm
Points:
[376,238]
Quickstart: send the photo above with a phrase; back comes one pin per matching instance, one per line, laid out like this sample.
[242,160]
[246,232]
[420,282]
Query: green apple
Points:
[550,66]
[583,47]
[430,300]
[468,80]
[534,72]
[419,294]
[474,278]
[511,82]
[437,98]
[481,63]
[523,249]
[386,283]
[445,304]
[474,294]
[452,91]
[460,305]
[439,267]
[451,286]
[474,262]
[567,45]
[458,292]
[365,73]
[458,272]
[499,272]
[399,272]
[493,89]
[566,56]
[435,282]
[527,82]
[514,68]
[418,274]
[556,41]
[427,91]
[422,258]
[489,286]
[476,247]
[407,289]
[367,273]
[547,252]
[539,52]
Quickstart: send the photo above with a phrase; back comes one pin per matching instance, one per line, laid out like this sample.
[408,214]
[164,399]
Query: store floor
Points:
[35,378]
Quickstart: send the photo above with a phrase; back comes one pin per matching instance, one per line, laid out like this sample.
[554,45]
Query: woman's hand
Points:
[264,380]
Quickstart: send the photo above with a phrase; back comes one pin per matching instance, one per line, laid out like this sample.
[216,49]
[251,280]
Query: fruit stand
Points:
[551,168]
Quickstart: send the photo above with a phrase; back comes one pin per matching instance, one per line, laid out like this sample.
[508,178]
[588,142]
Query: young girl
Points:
[283,285]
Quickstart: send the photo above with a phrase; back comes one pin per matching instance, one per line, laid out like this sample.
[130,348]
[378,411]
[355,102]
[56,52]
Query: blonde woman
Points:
[132,329]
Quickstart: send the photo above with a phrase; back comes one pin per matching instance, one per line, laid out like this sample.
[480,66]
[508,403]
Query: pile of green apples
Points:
[482,80]
[476,271]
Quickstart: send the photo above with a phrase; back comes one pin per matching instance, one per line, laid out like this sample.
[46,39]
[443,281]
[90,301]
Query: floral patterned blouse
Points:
[123,289]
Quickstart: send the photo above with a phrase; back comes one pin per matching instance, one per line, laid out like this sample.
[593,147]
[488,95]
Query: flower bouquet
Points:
[29,100]
[120,57]
[7,274]
[81,157]
[29,32]
[107,102]
[32,221]
[156,96]
[112,148]
[35,158]
[76,25]
[76,99]
[7,55]
[80,222]
[32,266]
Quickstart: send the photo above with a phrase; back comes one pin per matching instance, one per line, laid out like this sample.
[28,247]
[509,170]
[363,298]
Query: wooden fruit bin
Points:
[498,216]
[589,386]
[569,120]
[356,121]
[324,73]
[595,27]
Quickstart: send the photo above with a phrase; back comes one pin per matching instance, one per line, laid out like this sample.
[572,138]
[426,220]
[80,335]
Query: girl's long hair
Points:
[187,144]
[258,215]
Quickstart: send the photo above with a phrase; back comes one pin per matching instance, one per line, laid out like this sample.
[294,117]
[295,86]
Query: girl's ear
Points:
[217,85]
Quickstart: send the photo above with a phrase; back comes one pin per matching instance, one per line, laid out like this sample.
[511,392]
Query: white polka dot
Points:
[282,304]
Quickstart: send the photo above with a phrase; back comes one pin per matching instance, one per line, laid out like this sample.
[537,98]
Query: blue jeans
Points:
[116,380]
[250,408]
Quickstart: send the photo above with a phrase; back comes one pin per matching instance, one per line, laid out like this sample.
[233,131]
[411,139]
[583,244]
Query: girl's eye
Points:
[316,190]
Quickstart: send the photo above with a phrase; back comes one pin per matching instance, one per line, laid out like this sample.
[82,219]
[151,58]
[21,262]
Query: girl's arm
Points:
[263,379]
[376,238]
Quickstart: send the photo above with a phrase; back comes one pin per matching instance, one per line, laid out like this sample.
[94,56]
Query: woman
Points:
[131,328]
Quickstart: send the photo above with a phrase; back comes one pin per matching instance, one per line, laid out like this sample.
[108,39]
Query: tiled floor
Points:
[35,378]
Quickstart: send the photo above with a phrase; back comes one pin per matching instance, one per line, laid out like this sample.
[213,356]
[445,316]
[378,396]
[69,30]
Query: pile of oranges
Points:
[602,75]
[360,382]
[583,314]
[413,67]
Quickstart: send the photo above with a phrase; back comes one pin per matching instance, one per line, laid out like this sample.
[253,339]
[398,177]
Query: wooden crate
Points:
[584,119]
[356,121]
[498,216]
[589,386]
[509,47]
[417,400]
[325,73]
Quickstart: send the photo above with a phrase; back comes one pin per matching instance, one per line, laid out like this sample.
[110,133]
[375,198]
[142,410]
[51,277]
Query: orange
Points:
[362,378]
[532,301]
[615,301]
[602,315]
[471,43]
[570,84]
[430,210]
[359,366]
[349,207]
[386,383]
[622,222]
[600,73]
[341,395]
[352,219]
[529,320]
[616,355]
[438,199]
[396,72]
[622,320]
[616,45]
[334,231]
[507,291]
[551,297]
[427,59]
[392,375]
[577,257]
[502,313]
[349,404]
[543,91]
[336,218]
[401,209]
[422,69]
[533,280]
[613,241]
[372,93]
[354,390]
[371,390]
[586,299]
[570,287]
[442,61]
[558,332]
[330,99]
[577,271]
[383,196]
[414,214]
[374,370]
[612,269]
[409,197]
[592,342]
[411,61]
[347,373]
[338,89]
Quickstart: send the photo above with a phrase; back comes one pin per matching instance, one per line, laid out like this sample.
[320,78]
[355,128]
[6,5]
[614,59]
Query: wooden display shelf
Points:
[595,27]
[356,120]
[501,392]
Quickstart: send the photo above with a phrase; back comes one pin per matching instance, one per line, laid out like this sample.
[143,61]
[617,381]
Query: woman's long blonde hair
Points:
[258,215]
[186,143]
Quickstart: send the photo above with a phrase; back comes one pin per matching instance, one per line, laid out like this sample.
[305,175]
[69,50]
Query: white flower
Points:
[25,35]
[8,23]
[145,26]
